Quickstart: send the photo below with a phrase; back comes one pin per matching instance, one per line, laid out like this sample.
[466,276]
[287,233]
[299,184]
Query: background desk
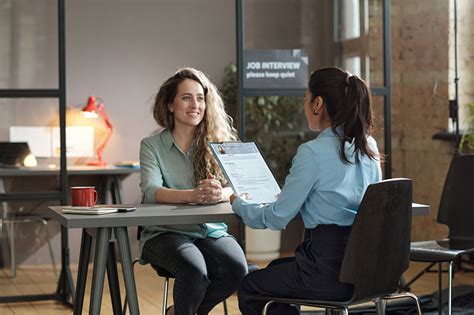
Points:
[109,179]
[150,214]
[108,182]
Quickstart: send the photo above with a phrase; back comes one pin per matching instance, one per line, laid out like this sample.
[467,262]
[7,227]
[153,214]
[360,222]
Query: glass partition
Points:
[344,33]
[29,44]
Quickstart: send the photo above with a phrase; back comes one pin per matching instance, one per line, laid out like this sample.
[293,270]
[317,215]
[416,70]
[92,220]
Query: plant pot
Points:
[262,244]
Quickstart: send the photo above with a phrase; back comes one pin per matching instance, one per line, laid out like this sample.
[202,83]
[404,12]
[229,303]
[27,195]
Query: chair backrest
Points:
[456,208]
[378,250]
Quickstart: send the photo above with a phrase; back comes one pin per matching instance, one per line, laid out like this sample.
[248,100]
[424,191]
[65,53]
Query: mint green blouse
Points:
[164,164]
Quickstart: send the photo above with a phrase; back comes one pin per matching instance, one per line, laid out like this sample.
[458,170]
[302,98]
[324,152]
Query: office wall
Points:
[420,59]
[121,51]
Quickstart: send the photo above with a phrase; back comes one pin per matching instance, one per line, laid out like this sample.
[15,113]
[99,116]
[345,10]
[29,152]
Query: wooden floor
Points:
[41,279]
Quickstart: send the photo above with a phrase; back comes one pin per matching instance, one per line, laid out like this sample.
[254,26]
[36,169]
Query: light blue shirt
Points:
[319,186]
[164,164]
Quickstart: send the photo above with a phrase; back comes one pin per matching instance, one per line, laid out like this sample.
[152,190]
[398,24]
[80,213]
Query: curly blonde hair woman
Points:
[216,125]
[178,167]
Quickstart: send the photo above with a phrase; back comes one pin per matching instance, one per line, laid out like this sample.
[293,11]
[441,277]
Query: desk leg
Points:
[107,188]
[84,256]
[125,258]
[112,276]
[101,249]
[116,189]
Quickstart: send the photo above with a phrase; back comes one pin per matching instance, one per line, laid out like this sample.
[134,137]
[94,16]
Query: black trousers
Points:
[207,270]
[312,274]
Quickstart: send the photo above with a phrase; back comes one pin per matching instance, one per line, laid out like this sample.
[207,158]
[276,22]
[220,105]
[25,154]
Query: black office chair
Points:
[377,252]
[456,210]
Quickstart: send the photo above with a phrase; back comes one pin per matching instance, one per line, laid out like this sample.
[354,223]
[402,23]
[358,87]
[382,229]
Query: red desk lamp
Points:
[94,110]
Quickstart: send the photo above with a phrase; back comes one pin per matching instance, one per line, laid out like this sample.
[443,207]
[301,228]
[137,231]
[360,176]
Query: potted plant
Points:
[466,144]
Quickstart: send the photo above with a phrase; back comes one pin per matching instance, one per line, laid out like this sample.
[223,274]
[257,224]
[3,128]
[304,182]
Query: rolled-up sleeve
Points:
[299,183]
[151,176]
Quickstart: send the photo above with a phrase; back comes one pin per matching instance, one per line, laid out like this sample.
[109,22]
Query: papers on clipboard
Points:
[246,171]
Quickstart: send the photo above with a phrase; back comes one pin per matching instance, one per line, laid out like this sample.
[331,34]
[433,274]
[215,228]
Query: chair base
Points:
[341,307]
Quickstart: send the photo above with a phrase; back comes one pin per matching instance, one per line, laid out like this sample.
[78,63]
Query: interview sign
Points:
[275,69]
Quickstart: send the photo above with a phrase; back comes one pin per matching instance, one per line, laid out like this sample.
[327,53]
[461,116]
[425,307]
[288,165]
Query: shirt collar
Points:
[168,140]
[328,132]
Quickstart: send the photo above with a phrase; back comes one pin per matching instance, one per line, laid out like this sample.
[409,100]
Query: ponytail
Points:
[358,120]
[348,103]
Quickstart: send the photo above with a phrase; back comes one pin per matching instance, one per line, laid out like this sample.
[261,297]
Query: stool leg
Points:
[414,297]
[266,307]
[450,286]
[440,290]
[165,295]
[225,307]
[380,306]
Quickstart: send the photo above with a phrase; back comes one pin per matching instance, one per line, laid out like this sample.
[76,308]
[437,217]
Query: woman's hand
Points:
[232,198]
[244,196]
[209,191]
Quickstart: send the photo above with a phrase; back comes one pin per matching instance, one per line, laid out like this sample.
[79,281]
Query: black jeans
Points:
[207,271]
[312,274]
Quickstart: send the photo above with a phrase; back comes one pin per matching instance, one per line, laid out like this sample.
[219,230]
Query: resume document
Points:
[246,171]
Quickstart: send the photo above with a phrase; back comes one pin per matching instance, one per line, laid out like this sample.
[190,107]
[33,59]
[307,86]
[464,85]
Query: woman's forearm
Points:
[200,195]
[167,195]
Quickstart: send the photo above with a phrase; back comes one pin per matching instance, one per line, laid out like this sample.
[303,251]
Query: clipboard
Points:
[246,170]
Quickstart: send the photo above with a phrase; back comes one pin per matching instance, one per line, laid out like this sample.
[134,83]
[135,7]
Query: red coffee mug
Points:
[85,196]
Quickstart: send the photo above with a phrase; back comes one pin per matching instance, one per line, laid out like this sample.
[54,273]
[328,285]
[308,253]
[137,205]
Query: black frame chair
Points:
[456,210]
[378,250]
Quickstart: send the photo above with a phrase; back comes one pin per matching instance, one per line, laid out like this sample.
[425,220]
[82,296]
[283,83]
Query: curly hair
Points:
[216,125]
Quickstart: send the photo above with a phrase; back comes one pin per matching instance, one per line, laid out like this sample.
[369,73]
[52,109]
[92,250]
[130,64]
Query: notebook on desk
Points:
[12,154]
[97,209]
[88,210]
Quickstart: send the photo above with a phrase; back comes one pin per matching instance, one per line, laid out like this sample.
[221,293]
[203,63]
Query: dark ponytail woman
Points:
[350,111]
[326,183]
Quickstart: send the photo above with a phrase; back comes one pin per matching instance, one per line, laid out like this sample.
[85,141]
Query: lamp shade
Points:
[90,110]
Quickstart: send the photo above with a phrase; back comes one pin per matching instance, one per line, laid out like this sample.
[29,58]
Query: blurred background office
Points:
[122,50]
